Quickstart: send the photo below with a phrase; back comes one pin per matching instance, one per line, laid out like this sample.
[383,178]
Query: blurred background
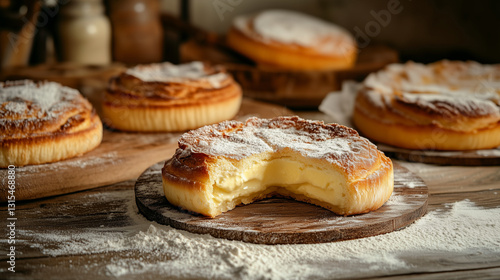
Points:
[79,38]
[424,30]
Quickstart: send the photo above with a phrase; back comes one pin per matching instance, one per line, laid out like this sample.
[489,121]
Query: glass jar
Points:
[84,33]
[137,31]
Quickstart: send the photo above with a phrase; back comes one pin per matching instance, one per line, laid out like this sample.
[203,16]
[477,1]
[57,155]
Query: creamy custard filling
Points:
[283,175]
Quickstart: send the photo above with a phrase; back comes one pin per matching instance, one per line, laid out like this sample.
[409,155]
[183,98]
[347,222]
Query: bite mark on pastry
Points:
[220,166]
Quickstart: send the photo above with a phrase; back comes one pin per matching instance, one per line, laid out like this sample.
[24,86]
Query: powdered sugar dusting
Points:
[104,159]
[458,229]
[318,145]
[242,143]
[451,87]
[36,108]
[15,107]
[46,97]
[168,72]
[296,28]
[451,104]
[337,144]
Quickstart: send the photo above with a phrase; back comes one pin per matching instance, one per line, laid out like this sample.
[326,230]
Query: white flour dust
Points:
[460,228]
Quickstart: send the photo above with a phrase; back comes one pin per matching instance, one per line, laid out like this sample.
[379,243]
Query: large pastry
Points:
[220,166]
[166,97]
[291,40]
[45,122]
[447,105]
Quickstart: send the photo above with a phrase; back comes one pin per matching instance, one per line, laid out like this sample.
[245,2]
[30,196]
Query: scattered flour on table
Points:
[81,162]
[458,228]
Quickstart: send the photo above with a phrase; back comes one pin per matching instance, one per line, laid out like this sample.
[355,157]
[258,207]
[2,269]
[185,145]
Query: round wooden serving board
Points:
[286,221]
[467,158]
[121,156]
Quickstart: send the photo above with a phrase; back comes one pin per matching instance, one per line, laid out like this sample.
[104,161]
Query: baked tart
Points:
[291,40]
[220,166]
[45,122]
[446,105]
[164,97]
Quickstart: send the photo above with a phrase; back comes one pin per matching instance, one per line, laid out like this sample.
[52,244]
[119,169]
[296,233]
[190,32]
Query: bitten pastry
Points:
[220,166]
[45,122]
[291,40]
[166,97]
[447,105]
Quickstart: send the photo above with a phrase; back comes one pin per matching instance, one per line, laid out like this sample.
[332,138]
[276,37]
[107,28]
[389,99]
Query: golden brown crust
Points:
[244,38]
[175,104]
[440,107]
[425,137]
[58,123]
[190,174]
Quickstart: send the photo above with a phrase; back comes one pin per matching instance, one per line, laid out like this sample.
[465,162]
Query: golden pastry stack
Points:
[447,105]
[45,122]
[291,40]
[166,97]
[220,166]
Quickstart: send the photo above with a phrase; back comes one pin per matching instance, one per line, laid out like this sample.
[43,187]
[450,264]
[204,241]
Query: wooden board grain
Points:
[285,221]
[121,156]
[466,158]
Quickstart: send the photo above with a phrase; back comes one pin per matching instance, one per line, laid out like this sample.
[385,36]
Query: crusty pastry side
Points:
[221,166]
[45,122]
[165,97]
[291,40]
[447,105]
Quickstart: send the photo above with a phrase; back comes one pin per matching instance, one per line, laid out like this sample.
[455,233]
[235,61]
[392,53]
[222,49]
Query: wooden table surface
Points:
[112,210]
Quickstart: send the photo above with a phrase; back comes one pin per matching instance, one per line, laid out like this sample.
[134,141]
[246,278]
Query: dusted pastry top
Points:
[220,166]
[461,96]
[193,73]
[337,144]
[31,109]
[152,84]
[288,27]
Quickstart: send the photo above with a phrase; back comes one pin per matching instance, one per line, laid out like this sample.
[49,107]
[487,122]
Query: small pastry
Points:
[291,40]
[447,105]
[164,97]
[45,122]
[220,166]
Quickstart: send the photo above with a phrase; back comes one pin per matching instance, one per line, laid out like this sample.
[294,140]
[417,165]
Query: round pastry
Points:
[447,105]
[166,97]
[220,166]
[291,40]
[45,122]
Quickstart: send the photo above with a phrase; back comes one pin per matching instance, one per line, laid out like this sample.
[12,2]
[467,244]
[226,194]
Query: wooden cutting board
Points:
[466,158]
[121,156]
[297,89]
[285,221]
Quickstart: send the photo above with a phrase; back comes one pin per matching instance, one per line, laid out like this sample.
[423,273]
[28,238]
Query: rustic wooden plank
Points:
[110,207]
[284,221]
[486,273]
[487,199]
[459,158]
[456,179]
[84,267]
[113,208]
[94,266]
